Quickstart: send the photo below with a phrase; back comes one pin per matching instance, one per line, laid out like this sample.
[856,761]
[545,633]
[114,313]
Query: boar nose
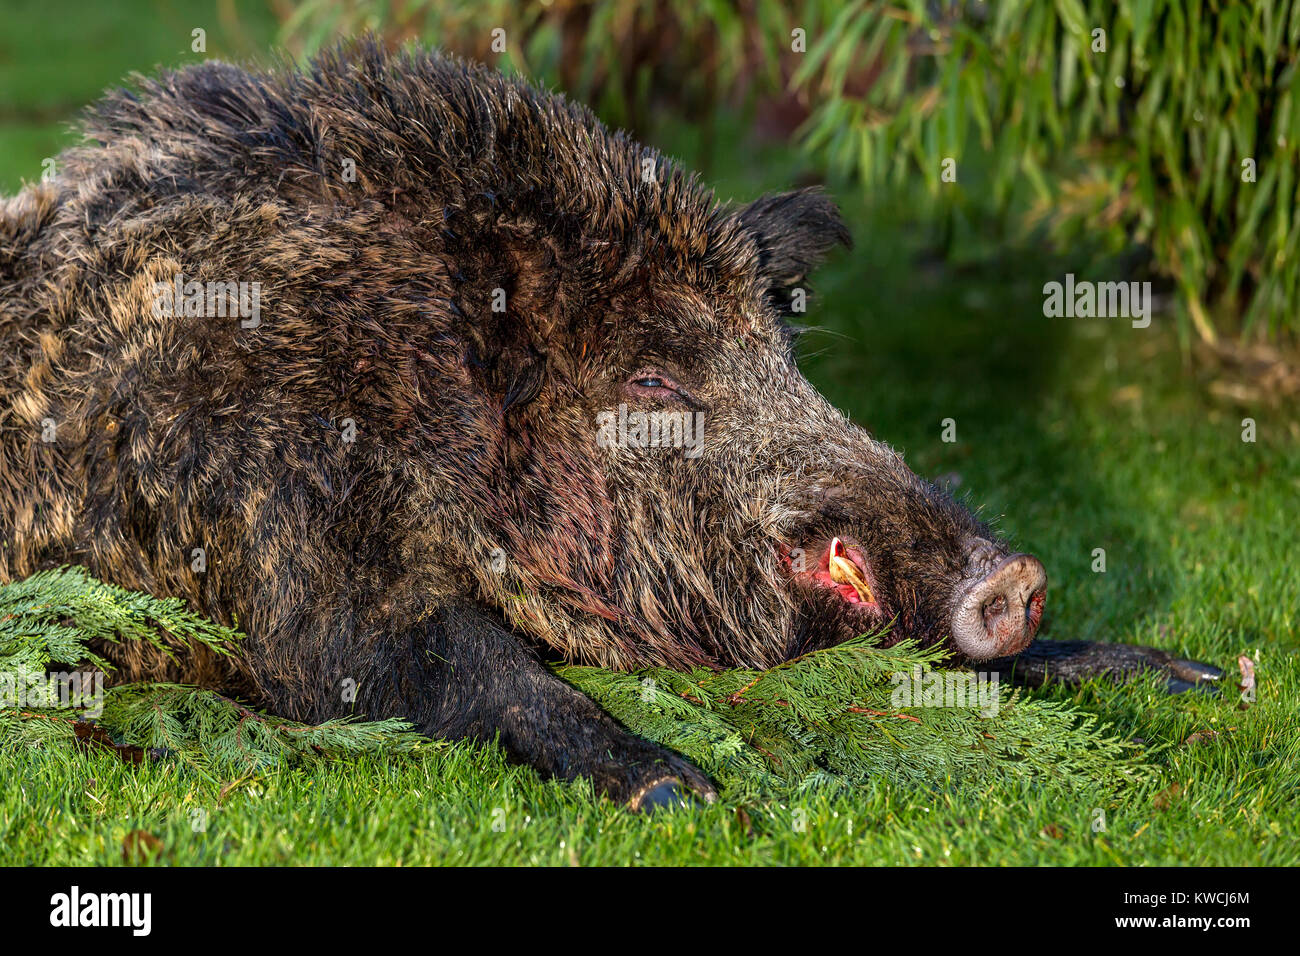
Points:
[999,613]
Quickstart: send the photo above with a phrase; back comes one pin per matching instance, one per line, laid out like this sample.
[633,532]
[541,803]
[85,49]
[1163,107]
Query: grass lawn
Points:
[1074,434]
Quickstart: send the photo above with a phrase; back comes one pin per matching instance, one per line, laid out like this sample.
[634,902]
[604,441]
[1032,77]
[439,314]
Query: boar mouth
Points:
[841,569]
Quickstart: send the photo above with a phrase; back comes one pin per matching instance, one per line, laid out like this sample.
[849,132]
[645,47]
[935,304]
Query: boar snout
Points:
[998,613]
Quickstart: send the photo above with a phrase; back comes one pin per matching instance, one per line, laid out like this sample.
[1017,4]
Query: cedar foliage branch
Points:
[829,721]
[48,622]
[825,721]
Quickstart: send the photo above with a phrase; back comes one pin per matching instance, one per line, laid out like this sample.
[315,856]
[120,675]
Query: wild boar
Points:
[424,376]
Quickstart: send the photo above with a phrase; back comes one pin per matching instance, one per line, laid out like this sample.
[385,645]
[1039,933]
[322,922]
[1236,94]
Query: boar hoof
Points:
[1194,671]
[687,790]
[665,794]
[1187,675]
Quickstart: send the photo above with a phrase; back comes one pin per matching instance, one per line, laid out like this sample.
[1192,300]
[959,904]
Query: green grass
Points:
[1073,435]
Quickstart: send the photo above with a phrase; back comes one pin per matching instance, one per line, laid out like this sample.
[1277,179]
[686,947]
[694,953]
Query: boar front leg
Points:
[464,675]
[1073,662]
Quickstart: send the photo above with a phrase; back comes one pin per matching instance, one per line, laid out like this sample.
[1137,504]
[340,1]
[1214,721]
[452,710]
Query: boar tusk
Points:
[844,571]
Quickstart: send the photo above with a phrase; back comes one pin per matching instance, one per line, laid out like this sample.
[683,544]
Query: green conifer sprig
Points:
[49,620]
[828,720]
[52,616]
[192,721]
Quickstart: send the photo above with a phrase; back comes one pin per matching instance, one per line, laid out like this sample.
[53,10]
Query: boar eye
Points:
[655,384]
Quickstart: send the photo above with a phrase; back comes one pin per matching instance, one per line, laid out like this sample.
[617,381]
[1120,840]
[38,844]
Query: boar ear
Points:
[793,231]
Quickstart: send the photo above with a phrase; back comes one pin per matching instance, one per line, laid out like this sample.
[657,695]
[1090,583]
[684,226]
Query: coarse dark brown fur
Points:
[393,475]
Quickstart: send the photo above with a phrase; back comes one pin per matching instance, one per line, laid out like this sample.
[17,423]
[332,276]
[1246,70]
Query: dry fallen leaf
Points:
[1201,736]
[1166,797]
[1247,683]
[746,825]
[139,846]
